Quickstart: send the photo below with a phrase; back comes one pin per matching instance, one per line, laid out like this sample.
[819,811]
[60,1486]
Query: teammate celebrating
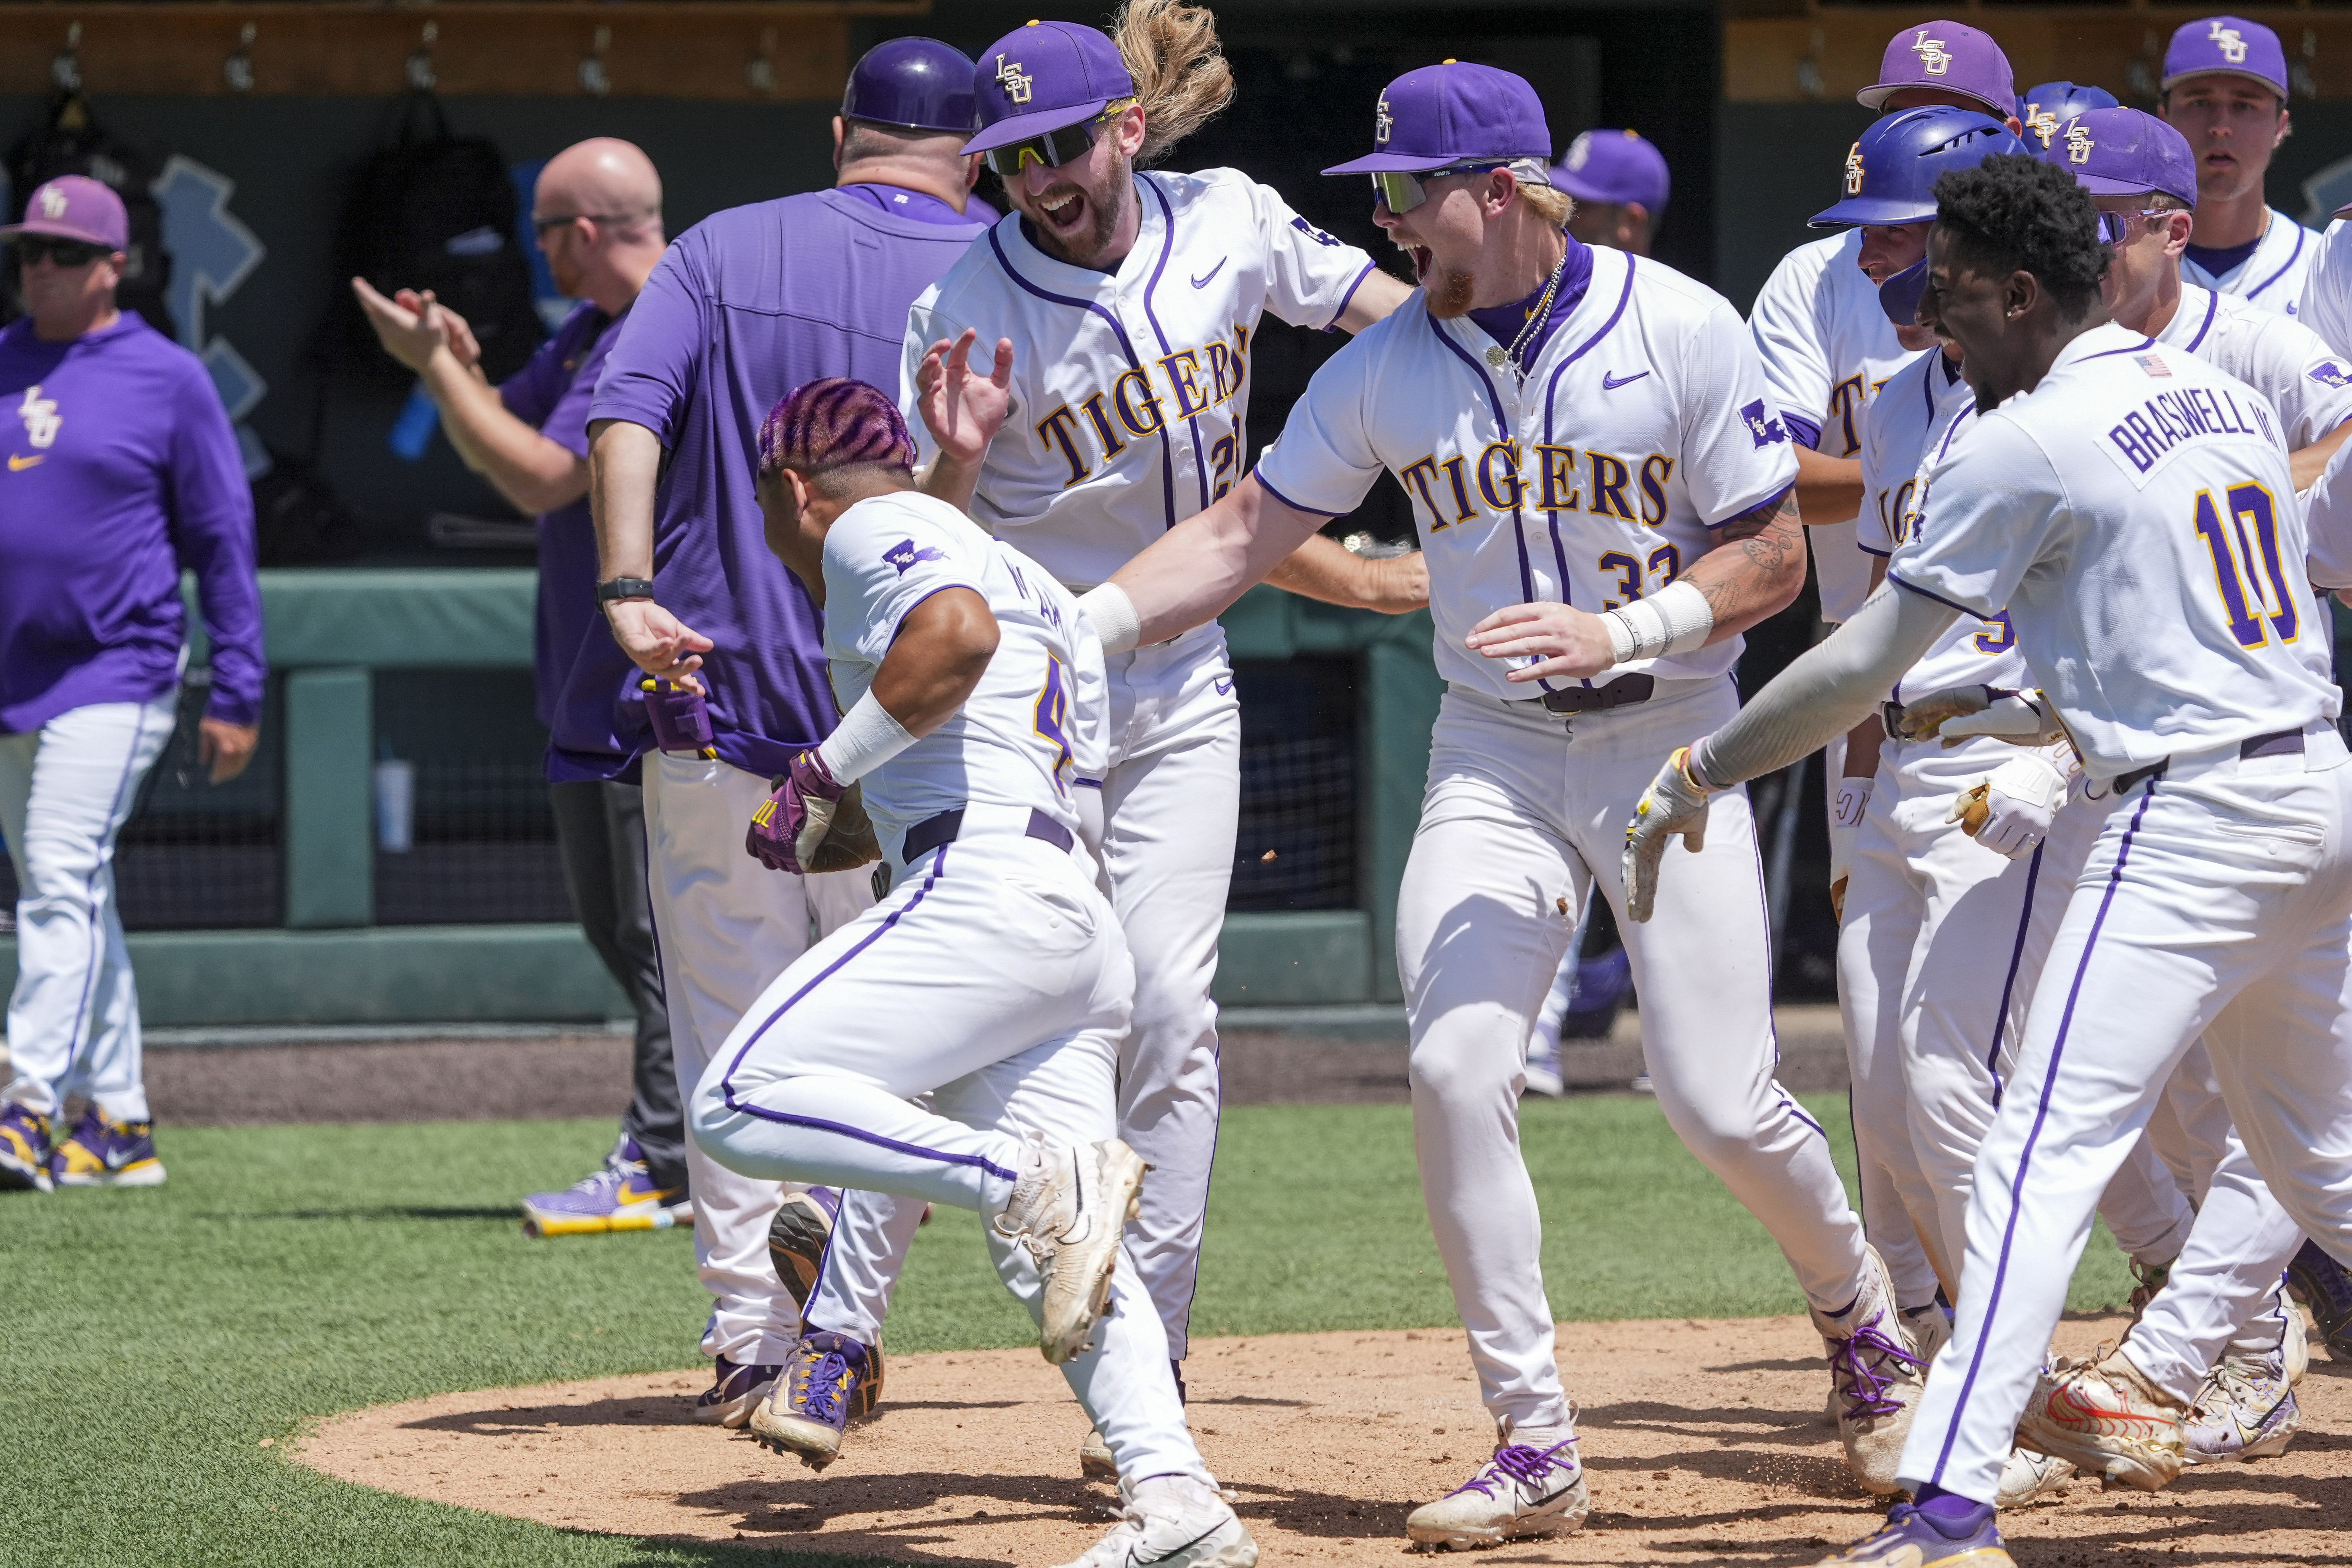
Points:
[2224,88]
[1942,64]
[1573,424]
[2083,508]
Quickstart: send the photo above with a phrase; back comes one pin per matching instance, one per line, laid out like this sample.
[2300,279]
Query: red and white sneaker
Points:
[2109,1419]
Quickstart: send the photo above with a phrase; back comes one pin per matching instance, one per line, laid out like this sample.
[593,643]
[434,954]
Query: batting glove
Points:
[2009,811]
[793,822]
[1961,713]
[680,718]
[1675,804]
[1846,825]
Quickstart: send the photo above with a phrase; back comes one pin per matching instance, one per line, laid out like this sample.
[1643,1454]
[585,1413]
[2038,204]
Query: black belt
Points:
[2278,743]
[1622,691]
[932,832]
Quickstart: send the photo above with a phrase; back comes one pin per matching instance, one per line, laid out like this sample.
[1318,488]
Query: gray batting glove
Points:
[1674,803]
[1962,713]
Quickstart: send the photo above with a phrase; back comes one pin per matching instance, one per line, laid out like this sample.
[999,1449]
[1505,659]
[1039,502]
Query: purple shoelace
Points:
[1518,1462]
[1859,1380]
[823,1382]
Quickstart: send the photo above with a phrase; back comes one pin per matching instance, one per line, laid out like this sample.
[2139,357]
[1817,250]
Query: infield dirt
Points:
[1704,1440]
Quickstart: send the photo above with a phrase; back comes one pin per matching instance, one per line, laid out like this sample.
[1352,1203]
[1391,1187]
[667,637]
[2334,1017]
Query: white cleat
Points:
[1173,1522]
[1095,1458]
[2028,1478]
[2109,1419]
[1522,1491]
[2246,1410]
[1876,1377]
[1070,1212]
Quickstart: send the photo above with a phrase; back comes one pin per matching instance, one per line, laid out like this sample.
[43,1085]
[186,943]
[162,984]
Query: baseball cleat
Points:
[826,1383]
[1521,1492]
[797,1239]
[1173,1522]
[1877,1377]
[2028,1478]
[1070,1212]
[2110,1420]
[734,1394]
[102,1151]
[620,1195]
[1095,1458]
[2294,1343]
[2323,1286]
[2151,1278]
[1913,1539]
[2246,1410]
[24,1148]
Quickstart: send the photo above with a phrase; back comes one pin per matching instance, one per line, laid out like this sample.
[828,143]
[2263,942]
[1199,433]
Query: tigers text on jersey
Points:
[1644,423]
[1130,386]
[1828,348]
[1035,723]
[1911,423]
[2308,383]
[2271,279]
[2134,516]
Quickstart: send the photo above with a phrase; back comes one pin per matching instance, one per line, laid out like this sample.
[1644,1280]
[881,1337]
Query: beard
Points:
[1447,294]
[1085,244]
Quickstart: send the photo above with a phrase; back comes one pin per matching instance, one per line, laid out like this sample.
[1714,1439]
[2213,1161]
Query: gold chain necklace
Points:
[1498,356]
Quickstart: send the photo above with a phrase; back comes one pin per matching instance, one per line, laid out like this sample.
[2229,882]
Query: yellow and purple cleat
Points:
[619,1196]
[103,1152]
[24,1148]
[1913,1538]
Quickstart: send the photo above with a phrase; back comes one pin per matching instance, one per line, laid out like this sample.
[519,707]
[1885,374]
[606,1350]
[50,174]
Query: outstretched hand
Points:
[963,410]
[657,642]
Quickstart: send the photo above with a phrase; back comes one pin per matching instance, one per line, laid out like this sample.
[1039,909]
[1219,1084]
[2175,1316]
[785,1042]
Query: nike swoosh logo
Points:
[1611,383]
[18,464]
[1224,687]
[1203,281]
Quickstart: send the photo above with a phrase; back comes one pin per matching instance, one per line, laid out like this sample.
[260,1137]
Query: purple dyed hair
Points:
[835,423]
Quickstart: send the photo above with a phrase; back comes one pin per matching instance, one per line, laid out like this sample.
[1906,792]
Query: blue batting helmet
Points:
[914,84]
[2045,110]
[1890,175]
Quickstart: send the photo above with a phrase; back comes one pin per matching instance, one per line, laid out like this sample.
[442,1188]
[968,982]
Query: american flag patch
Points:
[2153,364]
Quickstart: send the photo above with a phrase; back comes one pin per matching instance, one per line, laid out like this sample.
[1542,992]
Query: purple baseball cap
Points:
[2225,46]
[1944,57]
[1453,114]
[2125,153]
[75,206]
[1614,167]
[1043,77]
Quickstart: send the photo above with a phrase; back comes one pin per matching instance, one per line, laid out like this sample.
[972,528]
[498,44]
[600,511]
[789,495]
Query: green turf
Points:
[153,1339]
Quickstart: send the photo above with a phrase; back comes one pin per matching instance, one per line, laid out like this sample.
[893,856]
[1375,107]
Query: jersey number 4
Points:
[2246,567]
[1053,721]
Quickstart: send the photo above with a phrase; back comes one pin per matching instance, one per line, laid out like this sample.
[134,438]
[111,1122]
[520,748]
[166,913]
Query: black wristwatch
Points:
[623,588]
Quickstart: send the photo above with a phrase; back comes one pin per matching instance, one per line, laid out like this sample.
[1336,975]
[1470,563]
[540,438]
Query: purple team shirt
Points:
[122,469]
[749,304]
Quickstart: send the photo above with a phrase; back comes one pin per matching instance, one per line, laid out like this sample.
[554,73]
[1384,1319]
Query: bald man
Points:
[597,213]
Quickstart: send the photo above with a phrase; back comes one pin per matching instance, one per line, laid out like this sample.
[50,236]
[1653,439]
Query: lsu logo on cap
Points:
[2233,44]
[1932,57]
[1580,150]
[1853,171]
[53,202]
[1382,124]
[1761,430]
[904,555]
[2327,373]
[1017,82]
[2041,123]
[2078,143]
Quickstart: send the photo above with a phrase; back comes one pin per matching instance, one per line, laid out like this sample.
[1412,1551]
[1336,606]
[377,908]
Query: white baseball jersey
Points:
[2271,278]
[2327,515]
[1130,418]
[1644,425]
[2326,304]
[1035,723]
[1828,348]
[2135,516]
[2282,359]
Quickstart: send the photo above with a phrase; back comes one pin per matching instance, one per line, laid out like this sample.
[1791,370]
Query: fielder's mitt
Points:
[849,842]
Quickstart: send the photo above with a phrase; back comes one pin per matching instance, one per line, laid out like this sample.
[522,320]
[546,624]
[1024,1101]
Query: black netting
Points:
[1296,848]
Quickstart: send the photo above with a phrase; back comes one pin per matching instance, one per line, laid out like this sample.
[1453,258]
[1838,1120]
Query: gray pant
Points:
[601,830]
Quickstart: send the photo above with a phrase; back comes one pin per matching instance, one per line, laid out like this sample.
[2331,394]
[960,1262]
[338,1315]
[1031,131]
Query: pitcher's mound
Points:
[1705,1442]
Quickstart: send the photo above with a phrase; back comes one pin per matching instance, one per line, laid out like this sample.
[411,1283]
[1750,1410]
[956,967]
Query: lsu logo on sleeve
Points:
[1141,402]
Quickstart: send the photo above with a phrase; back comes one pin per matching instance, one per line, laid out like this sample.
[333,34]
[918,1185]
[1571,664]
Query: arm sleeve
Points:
[1311,275]
[212,534]
[1786,328]
[886,562]
[650,375]
[1324,461]
[2328,516]
[2323,308]
[1735,450]
[1993,510]
[2307,381]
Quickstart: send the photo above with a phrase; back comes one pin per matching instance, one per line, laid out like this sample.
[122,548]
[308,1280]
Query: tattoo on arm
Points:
[1768,536]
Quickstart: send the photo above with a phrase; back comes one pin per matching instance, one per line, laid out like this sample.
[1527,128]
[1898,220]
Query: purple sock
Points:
[1946,1509]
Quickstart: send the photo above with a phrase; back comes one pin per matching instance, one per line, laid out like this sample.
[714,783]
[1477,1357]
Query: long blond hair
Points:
[1181,78]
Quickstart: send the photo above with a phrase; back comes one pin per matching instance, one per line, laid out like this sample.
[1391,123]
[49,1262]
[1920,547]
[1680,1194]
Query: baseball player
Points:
[1574,424]
[743,306]
[993,977]
[2224,88]
[2326,304]
[2088,508]
[1944,64]
[123,471]
[1120,306]
[1620,184]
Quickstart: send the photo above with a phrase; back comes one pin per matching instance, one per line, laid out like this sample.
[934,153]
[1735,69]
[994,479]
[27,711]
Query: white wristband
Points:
[1674,619]
[1112,614]
[866,738]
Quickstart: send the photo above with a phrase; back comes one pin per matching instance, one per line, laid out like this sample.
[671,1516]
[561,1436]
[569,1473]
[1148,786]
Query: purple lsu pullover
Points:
[121,470]
[749,304]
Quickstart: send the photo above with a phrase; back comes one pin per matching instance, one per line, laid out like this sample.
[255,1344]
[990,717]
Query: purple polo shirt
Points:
[122,469]
[582,673]
[749,304]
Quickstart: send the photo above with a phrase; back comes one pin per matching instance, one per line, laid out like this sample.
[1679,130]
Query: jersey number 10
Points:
[2254,590]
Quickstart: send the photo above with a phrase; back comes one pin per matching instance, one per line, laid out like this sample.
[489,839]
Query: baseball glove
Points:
[809,824]
[849,842]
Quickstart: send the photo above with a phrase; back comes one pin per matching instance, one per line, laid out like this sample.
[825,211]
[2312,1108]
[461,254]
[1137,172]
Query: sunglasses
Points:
[1052,148]
[31,249]
[540,226]
[1402,192]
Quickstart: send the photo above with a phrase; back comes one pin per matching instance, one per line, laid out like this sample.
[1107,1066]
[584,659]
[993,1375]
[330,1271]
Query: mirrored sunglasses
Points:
[1402,193]
[1053,148]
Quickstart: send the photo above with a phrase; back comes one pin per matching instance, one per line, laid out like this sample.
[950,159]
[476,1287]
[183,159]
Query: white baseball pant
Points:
[993,978]
[1523,809]
[66,790]
[726,925]
[2217,902]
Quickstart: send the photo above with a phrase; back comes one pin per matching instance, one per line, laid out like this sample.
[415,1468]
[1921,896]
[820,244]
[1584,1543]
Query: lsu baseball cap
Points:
[1043,77]
[1944,57]
[1452,114]
[2125,153]
[1616,166]
[913,84]
[75,207]
[2225,46]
